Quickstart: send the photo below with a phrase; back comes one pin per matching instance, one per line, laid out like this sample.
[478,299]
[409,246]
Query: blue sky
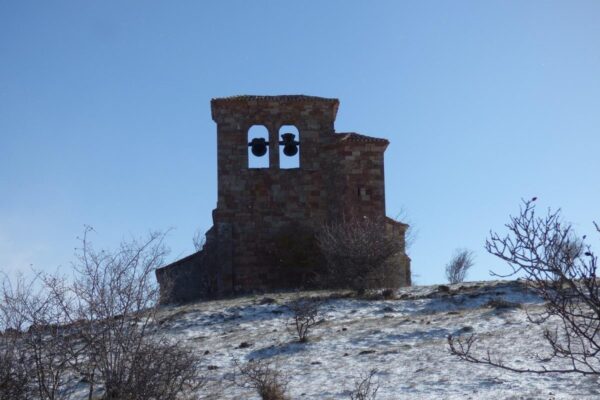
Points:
[105,118]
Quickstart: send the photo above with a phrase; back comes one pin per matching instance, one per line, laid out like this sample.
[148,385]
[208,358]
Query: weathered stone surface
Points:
[340,175]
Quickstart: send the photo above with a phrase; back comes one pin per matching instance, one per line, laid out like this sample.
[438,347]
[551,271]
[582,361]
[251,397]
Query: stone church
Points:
[283,171]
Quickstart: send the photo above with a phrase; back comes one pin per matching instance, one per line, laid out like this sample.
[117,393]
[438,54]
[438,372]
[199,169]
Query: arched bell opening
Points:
[289,147]
[258,147]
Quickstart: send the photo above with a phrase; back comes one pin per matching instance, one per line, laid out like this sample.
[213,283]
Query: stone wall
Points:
[341,175]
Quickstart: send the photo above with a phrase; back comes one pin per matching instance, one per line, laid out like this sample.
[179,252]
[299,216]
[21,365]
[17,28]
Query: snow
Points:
[404,339]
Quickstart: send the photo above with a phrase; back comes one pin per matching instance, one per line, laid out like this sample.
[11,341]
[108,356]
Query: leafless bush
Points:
[541,250]
[364,387]
[157,370]
[114,303]
[14,375]
[305,311]
[31,322]
[360,253]
[459,265]
[571,248]
[265,378]
[15,379]
[99,324]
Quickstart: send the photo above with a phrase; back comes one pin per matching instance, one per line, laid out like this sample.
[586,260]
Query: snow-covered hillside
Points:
[404,339]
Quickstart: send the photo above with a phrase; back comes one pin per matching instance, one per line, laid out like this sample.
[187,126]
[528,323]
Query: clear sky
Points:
[105,116]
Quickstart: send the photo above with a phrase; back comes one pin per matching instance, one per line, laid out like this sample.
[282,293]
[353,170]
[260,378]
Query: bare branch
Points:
[365,388]
[304,315]
[459,265]
[359,254]
[100,324]
[264,377]
[561,268]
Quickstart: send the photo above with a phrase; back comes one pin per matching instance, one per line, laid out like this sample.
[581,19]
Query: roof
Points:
[357,137]
[397,223]
[280,98]
[180,261]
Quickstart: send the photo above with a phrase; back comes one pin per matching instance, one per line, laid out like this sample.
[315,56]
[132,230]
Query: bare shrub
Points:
[14,376]
[305,311]
[570,249]
[114,303]
[265,378]
[158,370]
[33,335]
[364,387]
[564,275]
[15,379]
[360,254]
[99,324]
[459,265]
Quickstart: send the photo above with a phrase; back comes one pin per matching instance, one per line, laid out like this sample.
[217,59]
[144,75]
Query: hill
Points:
[404,339]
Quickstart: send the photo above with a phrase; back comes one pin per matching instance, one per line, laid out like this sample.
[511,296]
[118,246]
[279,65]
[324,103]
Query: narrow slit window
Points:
[364,193]
[289,147]
[258,147]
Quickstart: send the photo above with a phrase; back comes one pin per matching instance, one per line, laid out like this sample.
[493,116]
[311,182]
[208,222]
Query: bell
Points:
[290,150]
[259,146]
[290,146]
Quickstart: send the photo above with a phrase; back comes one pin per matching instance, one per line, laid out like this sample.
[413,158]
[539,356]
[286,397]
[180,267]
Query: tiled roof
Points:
[357,137]
[392,221]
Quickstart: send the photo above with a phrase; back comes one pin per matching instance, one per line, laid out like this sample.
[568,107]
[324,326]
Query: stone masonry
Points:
[264,215]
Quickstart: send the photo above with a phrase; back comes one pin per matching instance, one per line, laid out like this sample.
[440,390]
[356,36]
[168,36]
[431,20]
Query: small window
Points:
[289,147]
[364,193]
[258,147]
